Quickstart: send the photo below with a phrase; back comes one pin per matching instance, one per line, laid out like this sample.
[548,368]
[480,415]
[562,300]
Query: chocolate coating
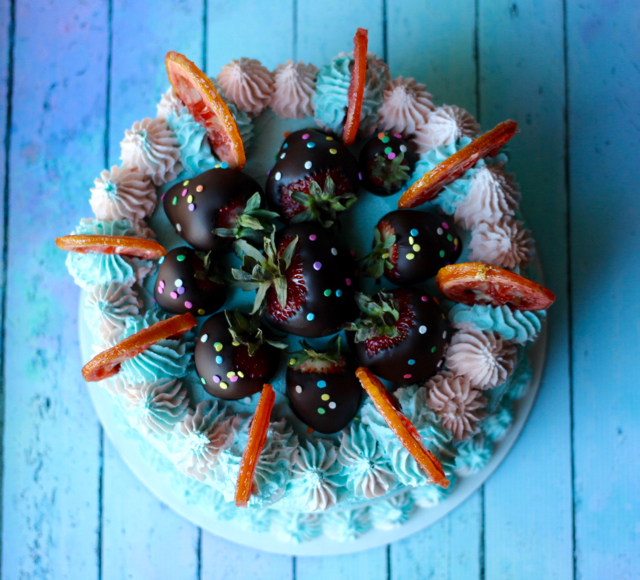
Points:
[211,362]
[326,154]
[192,206]
[342,392]
[327,265]
[425,343]
[177,290]
[376,146]
[435,244]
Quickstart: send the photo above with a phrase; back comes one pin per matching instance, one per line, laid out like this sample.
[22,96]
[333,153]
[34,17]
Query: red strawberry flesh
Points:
[296,287]
[323,367]
[228,215]
[257,366]
[403,324]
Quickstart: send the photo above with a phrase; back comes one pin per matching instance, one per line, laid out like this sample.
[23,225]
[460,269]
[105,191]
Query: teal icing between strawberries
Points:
[195,150]
[473,454]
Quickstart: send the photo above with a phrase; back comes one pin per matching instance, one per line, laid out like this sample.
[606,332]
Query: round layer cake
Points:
[330,461]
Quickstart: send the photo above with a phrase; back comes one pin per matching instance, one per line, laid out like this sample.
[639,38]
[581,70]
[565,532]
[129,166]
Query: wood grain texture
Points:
[604,132]
[142,538]
[367,565]
[520,48]
[51,474]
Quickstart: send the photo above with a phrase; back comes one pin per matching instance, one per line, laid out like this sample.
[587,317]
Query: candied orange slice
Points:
[120,245]
[479,283]
[446,172]
[255,443]
[356,87]
[197,92]
[401,426]
[107,363]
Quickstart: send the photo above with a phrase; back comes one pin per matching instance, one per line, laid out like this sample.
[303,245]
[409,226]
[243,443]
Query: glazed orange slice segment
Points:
[255,443]
[108,362]
[120,245]
[446,172]
[197,92]
[479,283]
[356,87]
[401,426]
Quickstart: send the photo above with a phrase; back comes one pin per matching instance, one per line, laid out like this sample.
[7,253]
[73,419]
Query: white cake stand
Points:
[158,474]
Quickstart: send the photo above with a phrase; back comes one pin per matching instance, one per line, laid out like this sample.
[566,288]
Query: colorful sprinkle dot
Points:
[181,290]
[219,360]
[433,349]
[283,156]
[348,281]
[410,256]
[230,374]
[313,237]
[391,156]
[403,148]
[450,237]
[445,225]
[204,338]
[192,207]
[325,397]
[224,165]
[388,150]
[334,251]
[178,283]
[309,430]
[414,232]
[321,384]
[416,247]
[329,138]
[174,201]
[292,361]
[218,346]
[199,188]
[233,379]
[411,240]
[201,311]
[317,265]
[246,400]
[278,176]
[444,334]
[181,258]
[422,329]
[327,292]
[332,405]
[385,139]
[321,411]
[306,136]
[333,151]
[188,304]
[407,376]
[310,316]
[441,253]
[184,192]
[338,292]
[440,231]
[203,380]
[455,241]
[425,299]
[382,135]
[161,283]
[178,228]
[190,199]
[160,290]
[298,389]
[160,261]
[285,146]
[360,175]
[308,164]
[186,182]
[443,316]
[216,379]
[173,295]
[411,361]
[311,145]
[224,386]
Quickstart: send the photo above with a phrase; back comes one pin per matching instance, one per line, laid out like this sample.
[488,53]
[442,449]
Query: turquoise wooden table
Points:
[565,503]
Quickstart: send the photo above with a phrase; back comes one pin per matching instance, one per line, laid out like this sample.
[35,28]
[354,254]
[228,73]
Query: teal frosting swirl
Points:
[473,454]
[435,438]
[166,359]
[273,469]
[393,512]
[520,379]
[519,326]
[91,269]
[496,425]
[253,520]
[297,527]
[332,92]
[195,150]
[430,495]
[245,125]
[343,526]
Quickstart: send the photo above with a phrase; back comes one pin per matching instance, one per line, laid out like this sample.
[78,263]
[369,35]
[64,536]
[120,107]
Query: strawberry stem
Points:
[321,205]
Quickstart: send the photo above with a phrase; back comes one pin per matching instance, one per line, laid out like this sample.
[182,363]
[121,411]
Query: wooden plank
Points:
[528,502]
[434,42]
[51,475]
[450,548]
[604,133]
[262,30]
[367,565]
[142,538]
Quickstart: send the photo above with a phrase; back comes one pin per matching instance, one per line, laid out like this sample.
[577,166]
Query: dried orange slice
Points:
[255,444]
[446,172]
[120,245]
[197,92]
[356,87]
[401,426]
[107,363]
[479,283]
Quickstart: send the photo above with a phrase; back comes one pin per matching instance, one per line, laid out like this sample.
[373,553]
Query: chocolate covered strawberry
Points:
[386,164]
[322,387]
[411,246]
[215,208]
[233,355]
[314,179]
[187,282]
[400,336]
[304,276]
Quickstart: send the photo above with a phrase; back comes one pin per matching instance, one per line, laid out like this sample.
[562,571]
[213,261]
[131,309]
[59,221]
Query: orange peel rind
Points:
[480,283]
[120,245]
[433,182]
[356,87]
[255,443]
[403,429]
[108,362]
[197,92]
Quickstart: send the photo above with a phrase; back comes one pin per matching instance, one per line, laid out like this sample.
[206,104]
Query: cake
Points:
[342,295]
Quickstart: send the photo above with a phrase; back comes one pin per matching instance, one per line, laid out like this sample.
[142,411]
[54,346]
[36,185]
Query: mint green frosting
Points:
[517,325]
[496,425]
[473,454]
[346,525]
[166,359]
[91,269]
[297,527]
[430,495]
[393,512]
[435,438]
[520,380]
[332,93]
[195,150]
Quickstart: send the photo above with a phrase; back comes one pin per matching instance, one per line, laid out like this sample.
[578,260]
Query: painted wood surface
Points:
[564,504]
